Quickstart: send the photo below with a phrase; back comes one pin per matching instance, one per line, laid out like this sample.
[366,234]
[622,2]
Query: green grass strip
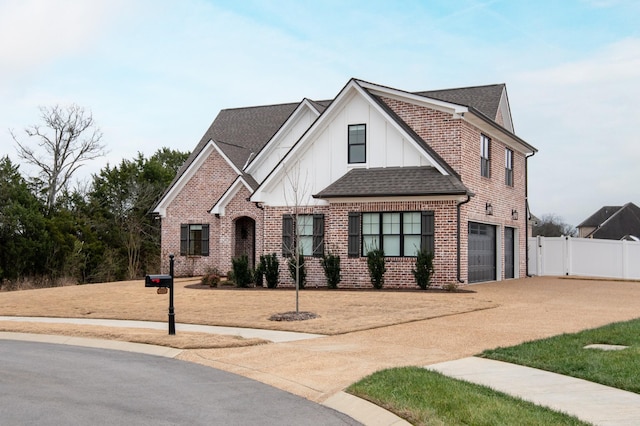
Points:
[424,397]
[565,354]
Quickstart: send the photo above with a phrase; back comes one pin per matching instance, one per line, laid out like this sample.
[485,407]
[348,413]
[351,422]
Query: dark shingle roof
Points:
[599,217]
[485,99]
[241,132]
[624,221]
[393,181]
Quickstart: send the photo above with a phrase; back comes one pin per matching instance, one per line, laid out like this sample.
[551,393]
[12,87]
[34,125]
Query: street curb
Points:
[117,345]
[363,411]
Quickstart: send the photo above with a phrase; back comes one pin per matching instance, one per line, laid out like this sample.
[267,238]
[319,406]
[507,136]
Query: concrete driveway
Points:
[526,309]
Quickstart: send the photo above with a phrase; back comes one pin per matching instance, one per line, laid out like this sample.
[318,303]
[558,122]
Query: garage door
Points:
[482,252]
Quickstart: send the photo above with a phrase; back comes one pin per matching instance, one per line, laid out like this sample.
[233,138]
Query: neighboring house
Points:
[612,223]
[373,167]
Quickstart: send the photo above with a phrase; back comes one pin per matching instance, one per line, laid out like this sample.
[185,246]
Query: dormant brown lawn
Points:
[339,311]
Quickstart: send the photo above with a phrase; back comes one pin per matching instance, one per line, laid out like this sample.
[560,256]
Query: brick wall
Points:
[493,190]
[438,129]
[354,271]
[458,143]
[192,205]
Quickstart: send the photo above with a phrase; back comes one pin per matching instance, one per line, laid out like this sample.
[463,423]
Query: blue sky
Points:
[155,73]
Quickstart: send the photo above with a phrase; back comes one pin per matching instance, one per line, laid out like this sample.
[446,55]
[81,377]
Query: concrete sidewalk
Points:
[247,333]
[590,402]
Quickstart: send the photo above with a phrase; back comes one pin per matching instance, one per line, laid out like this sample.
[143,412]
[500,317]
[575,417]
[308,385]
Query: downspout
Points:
[458,207]
[526,211]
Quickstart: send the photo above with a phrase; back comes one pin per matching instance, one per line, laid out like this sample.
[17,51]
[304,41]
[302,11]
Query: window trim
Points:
[351,144]
[186,240]
[485,156]
[289,232]
[508,167]
[355,231]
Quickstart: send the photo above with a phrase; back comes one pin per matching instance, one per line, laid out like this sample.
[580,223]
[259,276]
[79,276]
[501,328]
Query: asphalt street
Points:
[47,384]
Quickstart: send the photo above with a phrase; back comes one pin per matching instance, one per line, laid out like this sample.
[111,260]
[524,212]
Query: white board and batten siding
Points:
[557,256]
[323,158]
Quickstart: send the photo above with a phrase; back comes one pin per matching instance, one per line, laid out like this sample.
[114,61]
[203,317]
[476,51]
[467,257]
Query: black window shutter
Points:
[287,235]
[205,240]
[354,234]
[427,240]
[184,239]
[318,235]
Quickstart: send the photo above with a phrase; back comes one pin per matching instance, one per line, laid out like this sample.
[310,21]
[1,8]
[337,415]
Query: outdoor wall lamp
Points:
[514,214]
[488,208]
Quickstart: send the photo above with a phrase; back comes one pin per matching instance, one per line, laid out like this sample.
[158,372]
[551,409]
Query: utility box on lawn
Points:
[158,281]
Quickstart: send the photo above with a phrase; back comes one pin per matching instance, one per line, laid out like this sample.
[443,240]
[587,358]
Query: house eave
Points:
[169,196]
[392,198]
[219,208]
[481,121]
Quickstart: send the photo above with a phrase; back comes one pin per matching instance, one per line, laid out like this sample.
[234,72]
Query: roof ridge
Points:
[276,105]
[463,87]
[261,106]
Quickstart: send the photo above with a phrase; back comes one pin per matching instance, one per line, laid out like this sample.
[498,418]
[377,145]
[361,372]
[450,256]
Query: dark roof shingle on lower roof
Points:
[393,181]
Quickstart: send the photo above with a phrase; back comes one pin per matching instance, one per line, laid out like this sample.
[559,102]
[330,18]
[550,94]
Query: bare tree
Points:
[552,225]
[66,139]
[296,199]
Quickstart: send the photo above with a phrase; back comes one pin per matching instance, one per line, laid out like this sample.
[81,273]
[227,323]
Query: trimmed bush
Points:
[211,278]
[331,266]
[271,269]
[241,271]
[302,270]
[375,263]
[424,269]
[258,274]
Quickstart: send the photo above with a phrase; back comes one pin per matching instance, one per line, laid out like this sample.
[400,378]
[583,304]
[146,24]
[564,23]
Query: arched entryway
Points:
[245,239]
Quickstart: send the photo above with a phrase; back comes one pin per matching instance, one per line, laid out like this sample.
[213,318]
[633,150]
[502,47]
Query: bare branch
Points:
[66,142]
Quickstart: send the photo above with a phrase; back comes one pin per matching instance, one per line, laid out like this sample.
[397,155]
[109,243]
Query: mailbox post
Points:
[172,315]
[165,282]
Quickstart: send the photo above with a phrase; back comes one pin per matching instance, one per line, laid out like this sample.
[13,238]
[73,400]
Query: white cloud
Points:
[35,32]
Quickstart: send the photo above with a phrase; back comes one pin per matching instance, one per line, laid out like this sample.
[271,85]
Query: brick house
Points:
[373,167]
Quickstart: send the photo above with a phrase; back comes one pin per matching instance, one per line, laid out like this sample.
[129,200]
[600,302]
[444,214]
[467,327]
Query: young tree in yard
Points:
[67,137]
[295,225]
[551,225]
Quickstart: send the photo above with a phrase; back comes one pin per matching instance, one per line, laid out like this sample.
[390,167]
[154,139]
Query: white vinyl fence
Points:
[584,257]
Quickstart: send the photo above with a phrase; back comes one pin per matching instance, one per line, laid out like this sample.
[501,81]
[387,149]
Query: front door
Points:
[245,239]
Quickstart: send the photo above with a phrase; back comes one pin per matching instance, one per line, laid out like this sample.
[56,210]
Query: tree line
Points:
[52,234]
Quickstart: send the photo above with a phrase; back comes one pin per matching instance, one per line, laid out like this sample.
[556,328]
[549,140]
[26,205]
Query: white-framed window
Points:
[508,167]
[357,144]
[485,156]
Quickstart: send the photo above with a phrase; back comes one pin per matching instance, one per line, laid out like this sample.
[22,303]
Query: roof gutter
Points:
[458,208]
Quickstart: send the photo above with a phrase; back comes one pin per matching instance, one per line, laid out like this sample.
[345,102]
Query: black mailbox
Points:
[158,281]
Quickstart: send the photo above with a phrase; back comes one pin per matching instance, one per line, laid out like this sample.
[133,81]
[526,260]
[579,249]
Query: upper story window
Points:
[357,143]
[508,167]
[485,157]
[194,239]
